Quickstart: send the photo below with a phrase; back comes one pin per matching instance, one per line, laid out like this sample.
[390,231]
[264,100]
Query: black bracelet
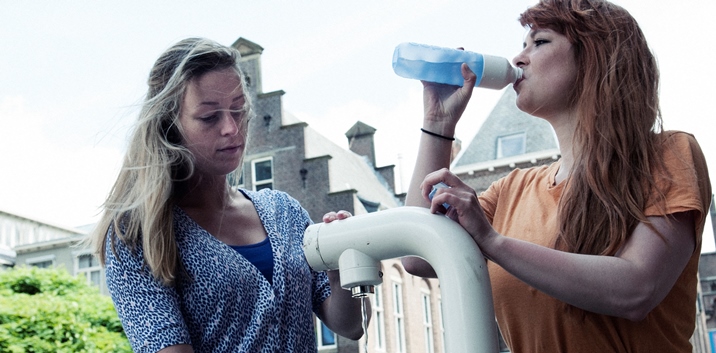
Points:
[437,135]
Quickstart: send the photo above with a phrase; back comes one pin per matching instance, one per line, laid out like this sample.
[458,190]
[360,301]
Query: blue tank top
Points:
[260,255]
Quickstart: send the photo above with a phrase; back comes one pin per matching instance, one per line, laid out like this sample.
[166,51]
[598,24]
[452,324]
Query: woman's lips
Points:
[230,149]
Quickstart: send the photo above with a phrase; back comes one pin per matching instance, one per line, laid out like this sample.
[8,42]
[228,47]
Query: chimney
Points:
[360,140]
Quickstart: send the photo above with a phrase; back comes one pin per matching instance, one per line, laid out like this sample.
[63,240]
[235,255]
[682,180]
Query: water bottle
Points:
[442,65]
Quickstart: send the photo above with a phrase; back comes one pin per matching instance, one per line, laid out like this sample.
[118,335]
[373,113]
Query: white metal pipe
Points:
[468,312]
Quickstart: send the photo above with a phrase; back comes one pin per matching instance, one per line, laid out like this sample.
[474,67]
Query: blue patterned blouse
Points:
[226,304]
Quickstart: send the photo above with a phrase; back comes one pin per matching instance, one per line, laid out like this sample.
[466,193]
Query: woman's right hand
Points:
[332,216]
[444,104]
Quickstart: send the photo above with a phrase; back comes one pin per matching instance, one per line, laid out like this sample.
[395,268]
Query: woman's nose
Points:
[229,125]
[520,60]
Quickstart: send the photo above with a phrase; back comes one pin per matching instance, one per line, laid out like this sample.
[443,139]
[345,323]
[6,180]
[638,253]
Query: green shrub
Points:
[48,310]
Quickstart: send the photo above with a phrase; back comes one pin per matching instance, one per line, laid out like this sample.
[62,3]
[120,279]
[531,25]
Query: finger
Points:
[329,217]
[443,175]
[429,182]
[452,214]
[469,77]
[343,214]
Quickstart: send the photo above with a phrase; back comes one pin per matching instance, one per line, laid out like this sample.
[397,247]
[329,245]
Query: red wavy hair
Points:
[619,120]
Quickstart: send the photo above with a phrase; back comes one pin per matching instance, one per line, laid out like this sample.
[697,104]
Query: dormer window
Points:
[511,145]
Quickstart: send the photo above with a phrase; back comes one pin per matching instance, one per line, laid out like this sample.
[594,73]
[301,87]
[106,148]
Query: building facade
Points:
[286,154]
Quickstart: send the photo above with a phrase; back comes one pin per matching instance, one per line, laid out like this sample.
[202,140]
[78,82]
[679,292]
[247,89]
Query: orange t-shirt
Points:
[523,205]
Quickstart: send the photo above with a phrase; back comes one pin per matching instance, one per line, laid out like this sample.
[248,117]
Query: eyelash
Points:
[539,42]
[236,113]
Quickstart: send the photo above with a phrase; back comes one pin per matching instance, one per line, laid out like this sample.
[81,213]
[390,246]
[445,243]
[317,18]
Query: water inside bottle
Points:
[446,72]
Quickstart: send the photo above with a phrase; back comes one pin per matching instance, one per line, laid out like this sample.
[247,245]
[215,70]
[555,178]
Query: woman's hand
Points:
[332,216]
[464,207]
[444,104]
[340,311]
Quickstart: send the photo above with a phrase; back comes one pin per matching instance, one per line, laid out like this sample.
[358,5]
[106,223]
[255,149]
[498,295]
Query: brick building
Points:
[287,154]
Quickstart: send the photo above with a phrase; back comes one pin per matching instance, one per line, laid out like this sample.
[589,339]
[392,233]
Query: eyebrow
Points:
[216,103]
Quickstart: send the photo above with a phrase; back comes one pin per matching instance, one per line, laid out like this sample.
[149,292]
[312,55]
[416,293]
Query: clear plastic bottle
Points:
[442,65]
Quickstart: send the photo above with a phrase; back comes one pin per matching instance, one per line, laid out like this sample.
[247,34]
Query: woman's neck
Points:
[565,129]
[206,192]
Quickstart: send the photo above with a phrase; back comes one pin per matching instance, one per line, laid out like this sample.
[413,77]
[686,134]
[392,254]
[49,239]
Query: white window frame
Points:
[88,271]
[398,315]
[256,183]
[319,336]
[427,320]
[379,319]
[442,322]
[521,135]
[34,261]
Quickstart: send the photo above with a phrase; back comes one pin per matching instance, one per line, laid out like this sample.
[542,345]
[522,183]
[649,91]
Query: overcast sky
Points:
[73,72]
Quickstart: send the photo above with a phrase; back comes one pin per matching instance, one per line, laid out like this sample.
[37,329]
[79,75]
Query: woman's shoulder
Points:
[678,137]
[267,195]
[271,199]
[684,180]
[526,175]
[680,147]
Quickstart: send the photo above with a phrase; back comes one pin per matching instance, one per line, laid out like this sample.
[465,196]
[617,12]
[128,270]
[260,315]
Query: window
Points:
[324,336]
[88,266]
[379,319]
[511,145]
[42,264]
[262,173]
[442,323]
[41,261]
[427,320]
[398,315]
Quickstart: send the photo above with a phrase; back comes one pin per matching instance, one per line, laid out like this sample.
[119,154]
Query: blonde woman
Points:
[192,265]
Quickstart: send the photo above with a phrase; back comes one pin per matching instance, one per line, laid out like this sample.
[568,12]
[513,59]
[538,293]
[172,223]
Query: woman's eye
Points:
[209,118]
[539,42]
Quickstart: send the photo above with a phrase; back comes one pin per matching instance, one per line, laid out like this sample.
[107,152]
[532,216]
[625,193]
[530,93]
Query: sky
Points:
[72,74]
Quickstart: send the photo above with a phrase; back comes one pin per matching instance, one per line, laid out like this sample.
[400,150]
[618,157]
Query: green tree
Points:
[48,310]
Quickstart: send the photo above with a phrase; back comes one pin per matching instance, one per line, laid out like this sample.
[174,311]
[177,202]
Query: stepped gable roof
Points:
[348,170]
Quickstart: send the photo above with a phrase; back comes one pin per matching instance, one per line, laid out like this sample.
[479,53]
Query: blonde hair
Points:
[139,208]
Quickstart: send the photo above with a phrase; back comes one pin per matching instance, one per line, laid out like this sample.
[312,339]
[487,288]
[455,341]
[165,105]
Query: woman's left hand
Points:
[464,207]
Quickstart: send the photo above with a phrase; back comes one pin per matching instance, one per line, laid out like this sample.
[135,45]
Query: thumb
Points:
[469,76]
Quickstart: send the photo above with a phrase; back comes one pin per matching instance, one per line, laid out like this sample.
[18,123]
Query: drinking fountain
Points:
[356,245]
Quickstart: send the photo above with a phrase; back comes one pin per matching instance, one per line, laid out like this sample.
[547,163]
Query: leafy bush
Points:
[48,310]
